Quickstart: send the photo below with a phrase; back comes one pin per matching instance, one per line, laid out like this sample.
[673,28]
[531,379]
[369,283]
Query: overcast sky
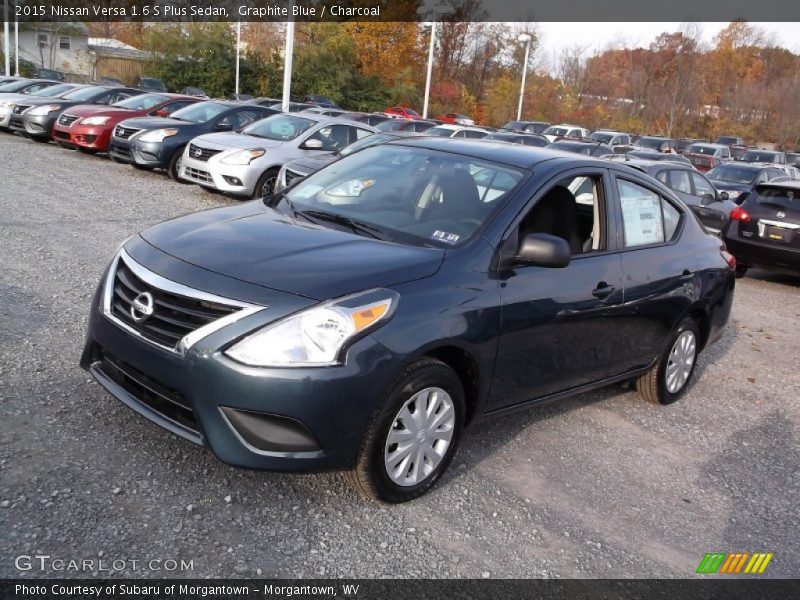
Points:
[597,36]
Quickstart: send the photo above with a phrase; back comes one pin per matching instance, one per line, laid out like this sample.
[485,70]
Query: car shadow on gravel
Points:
[780,278]
[755,470]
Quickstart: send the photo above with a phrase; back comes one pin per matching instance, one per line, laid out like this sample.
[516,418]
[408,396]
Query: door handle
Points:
[603,290]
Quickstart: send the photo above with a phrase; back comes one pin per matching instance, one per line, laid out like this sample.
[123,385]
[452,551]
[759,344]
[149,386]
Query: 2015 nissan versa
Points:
[359,319]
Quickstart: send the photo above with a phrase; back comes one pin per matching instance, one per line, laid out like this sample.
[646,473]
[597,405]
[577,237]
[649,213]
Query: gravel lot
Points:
[603,485]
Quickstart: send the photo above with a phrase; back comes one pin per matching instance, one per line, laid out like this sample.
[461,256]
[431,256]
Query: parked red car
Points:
[456,119]
[88,127]
[403,111]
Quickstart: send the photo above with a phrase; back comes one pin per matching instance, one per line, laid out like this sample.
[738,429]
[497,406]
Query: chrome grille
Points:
[174,316]
[201,154]
[290,176]
[197,175]
[67,120]
[124,133]
[20,108]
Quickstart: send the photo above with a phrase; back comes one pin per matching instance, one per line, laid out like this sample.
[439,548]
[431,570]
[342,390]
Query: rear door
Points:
[658,271]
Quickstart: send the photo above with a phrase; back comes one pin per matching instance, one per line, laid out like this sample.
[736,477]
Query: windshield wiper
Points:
[354,225]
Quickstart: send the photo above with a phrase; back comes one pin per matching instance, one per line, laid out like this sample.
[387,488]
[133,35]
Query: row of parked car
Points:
[252,149]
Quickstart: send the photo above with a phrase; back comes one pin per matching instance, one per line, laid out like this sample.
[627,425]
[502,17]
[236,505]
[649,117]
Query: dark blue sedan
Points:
[361,318]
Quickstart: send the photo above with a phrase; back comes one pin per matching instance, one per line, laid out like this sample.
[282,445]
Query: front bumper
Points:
[150,154]
[37,126]
[239,180]
[313,418]
[5,117]
[92,137]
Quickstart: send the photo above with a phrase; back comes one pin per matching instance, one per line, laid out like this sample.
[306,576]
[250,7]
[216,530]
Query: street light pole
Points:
[430,70]
[287,66]
[238,46]
[524,37]
[6,41]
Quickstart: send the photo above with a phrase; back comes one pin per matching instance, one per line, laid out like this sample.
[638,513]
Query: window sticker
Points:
[446,237]
[642,218]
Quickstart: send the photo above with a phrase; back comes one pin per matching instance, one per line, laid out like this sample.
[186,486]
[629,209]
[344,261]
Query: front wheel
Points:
[266,184]
[413,437]
[668,380]
[741,270]
[174,168]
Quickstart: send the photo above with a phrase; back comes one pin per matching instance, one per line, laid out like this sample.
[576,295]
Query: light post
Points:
[238,52]
[526,39]
[287,66]
[5,38]
[430,70]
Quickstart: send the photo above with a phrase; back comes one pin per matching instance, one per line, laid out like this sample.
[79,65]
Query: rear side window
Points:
[679,181]
[647,218]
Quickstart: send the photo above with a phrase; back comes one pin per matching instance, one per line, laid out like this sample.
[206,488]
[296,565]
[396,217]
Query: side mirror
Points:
[724,196]
[313,144]
[707,199]
[543,250]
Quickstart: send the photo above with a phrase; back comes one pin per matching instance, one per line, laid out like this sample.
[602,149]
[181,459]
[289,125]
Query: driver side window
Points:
[573,209]
[333,137]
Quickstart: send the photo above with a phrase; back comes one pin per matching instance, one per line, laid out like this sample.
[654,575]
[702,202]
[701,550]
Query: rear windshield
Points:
[650,142]
[785,200]
[702,149]
[556,131]
[602,137]
[733,174]
[15,85]
[440,132]
[760,156]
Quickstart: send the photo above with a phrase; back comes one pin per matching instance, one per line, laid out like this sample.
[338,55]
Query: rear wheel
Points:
[413,437]
[266,184]
[741,270]
[174,168]
[669,378]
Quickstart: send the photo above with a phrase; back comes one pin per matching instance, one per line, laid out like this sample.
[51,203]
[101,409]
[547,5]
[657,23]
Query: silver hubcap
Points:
[268,187]
[420,436]
[681,359]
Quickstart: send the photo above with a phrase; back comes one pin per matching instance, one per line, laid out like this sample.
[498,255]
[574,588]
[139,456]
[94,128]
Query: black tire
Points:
[653,385]
[41,140]
[741,270]
[267,180]
[369,475]
[173,170]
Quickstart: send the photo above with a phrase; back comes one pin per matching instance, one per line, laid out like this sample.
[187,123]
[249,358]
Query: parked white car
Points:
[556,132]
[456,131]
[247,163]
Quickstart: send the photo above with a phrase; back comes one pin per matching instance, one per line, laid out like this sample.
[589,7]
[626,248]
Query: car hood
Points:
[236,140]
[730,186]
[86,110]
[312,164]
[258,245]
[36,101]
[157,123]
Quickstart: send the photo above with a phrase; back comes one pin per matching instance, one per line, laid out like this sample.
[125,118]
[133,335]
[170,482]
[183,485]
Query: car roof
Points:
[646,165]
[786,185]
[515,155]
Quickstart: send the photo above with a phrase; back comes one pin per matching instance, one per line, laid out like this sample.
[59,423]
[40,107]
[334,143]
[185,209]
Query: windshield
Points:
[53,90]
[366,142]
[413,195]
[556,131]
[142,102]
[84,93]
[439,132]
[650,142]
[15,86]
[200,112]
[760,156]
[702,149]
[784,199]
[514,125]
[279,127]
[602,137]
[727,140]
[732,174]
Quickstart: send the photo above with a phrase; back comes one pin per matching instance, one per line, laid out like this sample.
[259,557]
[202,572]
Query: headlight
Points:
[350,189]
[244,157]
[7,103]
[40,111]
[95,121]
[316,336]
[157,135]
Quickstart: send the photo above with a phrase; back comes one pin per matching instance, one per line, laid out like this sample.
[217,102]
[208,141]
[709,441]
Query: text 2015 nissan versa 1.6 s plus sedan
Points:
[359,319]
